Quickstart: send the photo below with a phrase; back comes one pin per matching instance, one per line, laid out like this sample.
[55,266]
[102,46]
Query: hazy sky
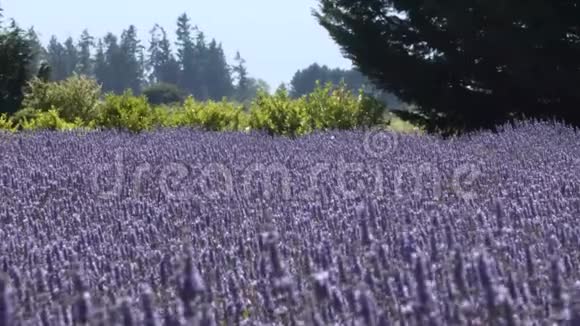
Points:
[276,37]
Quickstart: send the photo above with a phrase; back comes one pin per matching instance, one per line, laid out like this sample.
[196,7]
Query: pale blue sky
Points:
[276,37]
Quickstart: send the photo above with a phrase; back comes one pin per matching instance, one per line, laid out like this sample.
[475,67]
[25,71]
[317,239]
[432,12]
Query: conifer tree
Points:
[241,75]
[469,65]
[16,56]
[217,73]
[56,57]
[85,61]
[161,61]
[186,54]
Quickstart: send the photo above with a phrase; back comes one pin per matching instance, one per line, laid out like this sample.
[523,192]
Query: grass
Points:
[399,125]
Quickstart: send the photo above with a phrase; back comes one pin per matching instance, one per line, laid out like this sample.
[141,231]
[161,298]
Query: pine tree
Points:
[304,81]
[162,63]
[85,61]
[242,83]
[100,66]
[16,56]
[38,51]
[131,68]
[465,66]
[56,57]
[186,55]
[217,73]
[201,67]
[71,56]
[114,64]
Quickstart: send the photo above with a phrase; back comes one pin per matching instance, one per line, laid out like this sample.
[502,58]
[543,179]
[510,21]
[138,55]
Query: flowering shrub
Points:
[213,116]
[49,120]
[77,101]
[76,97]
[126,112]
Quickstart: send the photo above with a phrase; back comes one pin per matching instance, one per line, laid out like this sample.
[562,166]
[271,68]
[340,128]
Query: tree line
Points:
[164,70]
[304,82]
[196,65]
[460,67]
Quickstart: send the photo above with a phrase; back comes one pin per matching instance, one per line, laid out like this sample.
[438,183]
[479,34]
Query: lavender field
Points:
[181,227]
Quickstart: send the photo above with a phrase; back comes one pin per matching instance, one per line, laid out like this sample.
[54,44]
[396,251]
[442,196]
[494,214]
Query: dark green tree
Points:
[217,74]
[186,55]
[100,66]
[465,65]
[163,93]
[113,65]
[38,51]
[44,72]
[201,67]
[56,58]
[71,56]
[161,61]
[304,81]
[242,86]
[131,73]
[16,56]
[85,61]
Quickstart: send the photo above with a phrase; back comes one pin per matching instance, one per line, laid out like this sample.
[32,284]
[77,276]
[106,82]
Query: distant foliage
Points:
[125,112]
[278,114]
[328,107]
[164,93]
[76,97]
[305,80]
[213,116]
[77,101]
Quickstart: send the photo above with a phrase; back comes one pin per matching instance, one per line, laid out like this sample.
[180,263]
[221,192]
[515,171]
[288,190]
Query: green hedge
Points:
[78,103]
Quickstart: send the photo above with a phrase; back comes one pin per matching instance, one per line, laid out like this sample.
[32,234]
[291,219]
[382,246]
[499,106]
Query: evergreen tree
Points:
[16,56]
[71,57]
[186,55]
[258,84]
[200,65]
[465,66]
[217,73]
[255,85]
[242,82]
[304,81]
[38,51]
[111,73]
[131,61]
[162,63]
[100,66]
[85,61]
[56,58]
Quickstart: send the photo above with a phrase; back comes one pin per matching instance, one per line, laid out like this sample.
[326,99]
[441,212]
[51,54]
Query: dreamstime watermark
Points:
[116,189]
[468,172]
[379,143]
[347,180]
[418,173]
